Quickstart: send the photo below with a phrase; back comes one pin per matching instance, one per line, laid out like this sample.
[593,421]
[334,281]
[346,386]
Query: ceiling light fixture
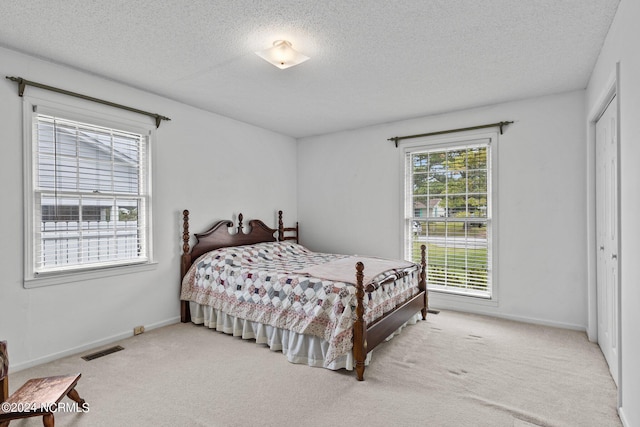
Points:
[282,55]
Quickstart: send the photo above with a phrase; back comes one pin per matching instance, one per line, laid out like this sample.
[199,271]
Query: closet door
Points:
[607,227]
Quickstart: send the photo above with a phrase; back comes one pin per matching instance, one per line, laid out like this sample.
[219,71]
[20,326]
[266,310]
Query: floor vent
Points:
[102,353]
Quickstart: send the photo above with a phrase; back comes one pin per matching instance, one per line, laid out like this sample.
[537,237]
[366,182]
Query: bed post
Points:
[360,327]
[240,218]
[422,284]
[282,230]
[185,315]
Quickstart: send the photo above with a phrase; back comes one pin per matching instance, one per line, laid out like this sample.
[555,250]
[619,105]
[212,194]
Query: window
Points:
[448,201]
[88,194]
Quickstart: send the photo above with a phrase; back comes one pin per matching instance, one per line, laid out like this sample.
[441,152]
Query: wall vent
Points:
[102,353]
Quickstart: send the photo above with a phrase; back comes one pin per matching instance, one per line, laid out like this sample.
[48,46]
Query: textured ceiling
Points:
[372,61]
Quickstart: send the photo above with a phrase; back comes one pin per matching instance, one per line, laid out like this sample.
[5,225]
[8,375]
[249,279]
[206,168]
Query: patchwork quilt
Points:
[257,283]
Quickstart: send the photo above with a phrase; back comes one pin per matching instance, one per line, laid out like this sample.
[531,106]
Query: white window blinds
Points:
[90,195]
[448,209]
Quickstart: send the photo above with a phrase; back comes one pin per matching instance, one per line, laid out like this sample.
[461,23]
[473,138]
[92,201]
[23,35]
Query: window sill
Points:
[459,301]
[98,273]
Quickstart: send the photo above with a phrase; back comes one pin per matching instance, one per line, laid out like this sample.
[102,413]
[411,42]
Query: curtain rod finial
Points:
[503,124]
[21,84]
[159,119]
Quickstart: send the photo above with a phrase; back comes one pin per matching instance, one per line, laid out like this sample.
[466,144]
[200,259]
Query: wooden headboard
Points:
[218,236]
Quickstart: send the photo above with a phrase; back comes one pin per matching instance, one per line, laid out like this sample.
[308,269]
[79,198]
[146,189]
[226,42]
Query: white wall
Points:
[621,46]
[212,165]
[350,194]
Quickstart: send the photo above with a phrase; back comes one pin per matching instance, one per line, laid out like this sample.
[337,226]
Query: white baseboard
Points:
[625,423]
[492,313]
[88,346]
[162,323]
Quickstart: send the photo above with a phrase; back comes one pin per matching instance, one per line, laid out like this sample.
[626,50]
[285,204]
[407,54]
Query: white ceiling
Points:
[372,61]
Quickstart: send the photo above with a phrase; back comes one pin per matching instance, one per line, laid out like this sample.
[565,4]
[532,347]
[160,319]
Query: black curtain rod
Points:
[22,83]
[499,124]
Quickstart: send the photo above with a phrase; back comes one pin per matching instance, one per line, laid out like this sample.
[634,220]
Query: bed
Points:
[326,310]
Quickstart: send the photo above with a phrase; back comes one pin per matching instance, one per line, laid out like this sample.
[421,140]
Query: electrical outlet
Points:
[138,330]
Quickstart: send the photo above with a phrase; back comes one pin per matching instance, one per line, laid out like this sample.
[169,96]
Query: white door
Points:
[607,235]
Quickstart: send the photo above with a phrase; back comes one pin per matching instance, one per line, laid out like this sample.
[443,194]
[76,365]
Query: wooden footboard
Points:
[367,337]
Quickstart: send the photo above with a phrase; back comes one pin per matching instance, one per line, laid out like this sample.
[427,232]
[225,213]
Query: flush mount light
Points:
[282,55]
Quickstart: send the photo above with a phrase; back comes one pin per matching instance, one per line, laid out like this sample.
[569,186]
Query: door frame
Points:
[611,89]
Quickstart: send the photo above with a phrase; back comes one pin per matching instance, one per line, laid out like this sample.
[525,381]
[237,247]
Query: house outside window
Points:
[449,208]
[88,186]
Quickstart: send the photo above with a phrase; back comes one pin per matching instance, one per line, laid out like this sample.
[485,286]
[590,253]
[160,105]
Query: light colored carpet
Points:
[454,369]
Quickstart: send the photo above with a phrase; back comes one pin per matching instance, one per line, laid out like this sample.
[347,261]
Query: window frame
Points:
[90,113]
[434,143]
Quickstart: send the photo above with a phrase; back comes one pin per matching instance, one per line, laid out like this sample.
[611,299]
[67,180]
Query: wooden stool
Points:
[37,397]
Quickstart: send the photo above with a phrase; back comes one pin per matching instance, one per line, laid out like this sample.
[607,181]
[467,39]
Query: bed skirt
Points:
[298,348]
